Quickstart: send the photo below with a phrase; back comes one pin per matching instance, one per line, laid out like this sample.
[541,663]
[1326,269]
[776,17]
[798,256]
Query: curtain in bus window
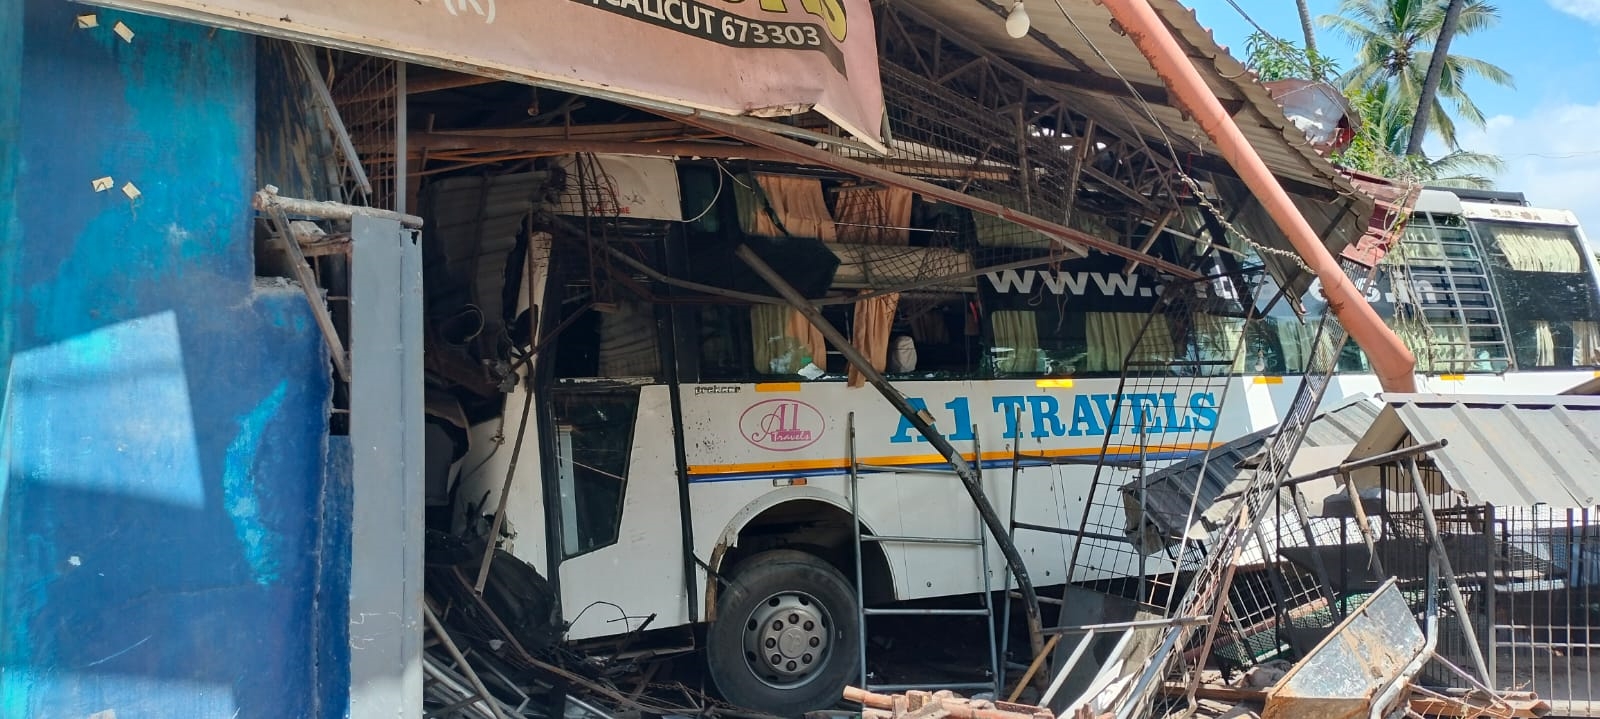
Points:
[1295,339]
[795,203]
[783,341]
[1585,343]
[1217,340]
[628,341]
[874,319]
[928,327]
[1441,349]
[1419,243]
[1016,341]
[1537,249]
[873,215]
[1544,343]
[1112,334]
[1415,337]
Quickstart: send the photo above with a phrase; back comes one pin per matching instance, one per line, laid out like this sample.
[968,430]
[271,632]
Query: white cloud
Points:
[1586,9]
[1552,154]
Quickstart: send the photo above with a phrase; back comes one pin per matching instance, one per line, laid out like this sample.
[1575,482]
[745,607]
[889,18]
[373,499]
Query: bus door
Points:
[613,515]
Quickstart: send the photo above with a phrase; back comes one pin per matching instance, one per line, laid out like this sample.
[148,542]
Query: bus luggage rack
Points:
[979,543]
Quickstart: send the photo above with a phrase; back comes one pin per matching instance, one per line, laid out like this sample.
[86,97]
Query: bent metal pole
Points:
[1391,361]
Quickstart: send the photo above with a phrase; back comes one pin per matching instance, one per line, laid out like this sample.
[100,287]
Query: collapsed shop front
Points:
[965,209]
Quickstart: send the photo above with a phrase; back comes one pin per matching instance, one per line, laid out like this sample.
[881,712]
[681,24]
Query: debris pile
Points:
[938,705]
[491,652]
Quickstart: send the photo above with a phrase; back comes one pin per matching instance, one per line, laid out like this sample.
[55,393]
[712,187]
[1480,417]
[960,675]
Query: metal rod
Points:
[505,492]
[1139,624]
[1437,541]
[1066,668]
[996,673]
[919,420]
[461,661]
[1365,526]
[1245,520]
[267,199]
[330,110]
[1349,467]
[449,680]
[308,283]
[586,706]
[1392,362]
[921,540]
[402,118]
[1005,624]
[855,526]
[1066,238]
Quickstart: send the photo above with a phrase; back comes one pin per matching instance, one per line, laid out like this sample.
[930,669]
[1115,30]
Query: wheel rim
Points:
[787,639]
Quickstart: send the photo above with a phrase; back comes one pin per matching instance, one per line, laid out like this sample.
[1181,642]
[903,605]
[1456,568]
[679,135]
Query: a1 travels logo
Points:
[781,425]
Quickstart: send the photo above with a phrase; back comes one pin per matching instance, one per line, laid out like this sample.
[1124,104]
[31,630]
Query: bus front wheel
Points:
[786,636]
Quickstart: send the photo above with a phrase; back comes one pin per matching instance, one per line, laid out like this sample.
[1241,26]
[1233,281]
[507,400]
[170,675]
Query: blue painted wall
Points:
[167,549]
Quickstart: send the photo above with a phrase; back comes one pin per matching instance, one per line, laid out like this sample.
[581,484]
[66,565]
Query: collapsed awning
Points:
[1503,450]
[1083,54]
[1212,483]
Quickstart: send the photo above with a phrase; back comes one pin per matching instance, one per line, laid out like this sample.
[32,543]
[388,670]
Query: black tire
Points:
[792,605]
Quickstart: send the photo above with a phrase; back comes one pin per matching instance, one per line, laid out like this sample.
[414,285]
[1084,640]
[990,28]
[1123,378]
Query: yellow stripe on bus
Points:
[778,387]
[800,465]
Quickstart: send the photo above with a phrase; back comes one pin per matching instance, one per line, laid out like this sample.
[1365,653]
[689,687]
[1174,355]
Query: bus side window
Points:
[594,440]
[724,342]
[619,342]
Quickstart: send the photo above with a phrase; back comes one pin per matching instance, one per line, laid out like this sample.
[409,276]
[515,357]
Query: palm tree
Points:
[1380,147]
[1394,41]
[1306,27]
[1430,84]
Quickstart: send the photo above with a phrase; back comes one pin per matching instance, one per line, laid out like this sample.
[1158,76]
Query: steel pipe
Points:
[1391,361]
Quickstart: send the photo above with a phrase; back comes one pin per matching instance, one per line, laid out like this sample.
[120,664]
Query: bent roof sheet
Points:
[1506,451]
[1168,491]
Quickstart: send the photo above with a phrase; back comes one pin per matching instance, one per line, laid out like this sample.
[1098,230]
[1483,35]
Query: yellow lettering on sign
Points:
[831,12]
[778,6]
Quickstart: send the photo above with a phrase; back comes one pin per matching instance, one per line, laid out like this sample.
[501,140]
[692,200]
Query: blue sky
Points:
[1547,128]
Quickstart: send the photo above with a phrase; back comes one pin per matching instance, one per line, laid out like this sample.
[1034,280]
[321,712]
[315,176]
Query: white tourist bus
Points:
[663,441]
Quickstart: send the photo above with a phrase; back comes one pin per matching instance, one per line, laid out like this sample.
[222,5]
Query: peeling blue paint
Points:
[239,492]
[167,546]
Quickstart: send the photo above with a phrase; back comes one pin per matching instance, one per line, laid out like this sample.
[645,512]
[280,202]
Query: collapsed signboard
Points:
[739,57]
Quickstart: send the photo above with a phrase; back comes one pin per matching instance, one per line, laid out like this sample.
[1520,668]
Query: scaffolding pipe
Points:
[1391,361]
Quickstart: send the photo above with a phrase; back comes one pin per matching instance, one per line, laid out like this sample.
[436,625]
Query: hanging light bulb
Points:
[1017,21]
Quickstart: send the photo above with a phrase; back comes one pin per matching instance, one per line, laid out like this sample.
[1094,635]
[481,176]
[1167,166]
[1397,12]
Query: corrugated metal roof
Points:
[1284,147]
[472,225]
[1169,491]
[1089,43]
[1507,451]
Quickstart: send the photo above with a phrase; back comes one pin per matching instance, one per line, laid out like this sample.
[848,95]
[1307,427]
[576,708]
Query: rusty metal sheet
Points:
[1367,652]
